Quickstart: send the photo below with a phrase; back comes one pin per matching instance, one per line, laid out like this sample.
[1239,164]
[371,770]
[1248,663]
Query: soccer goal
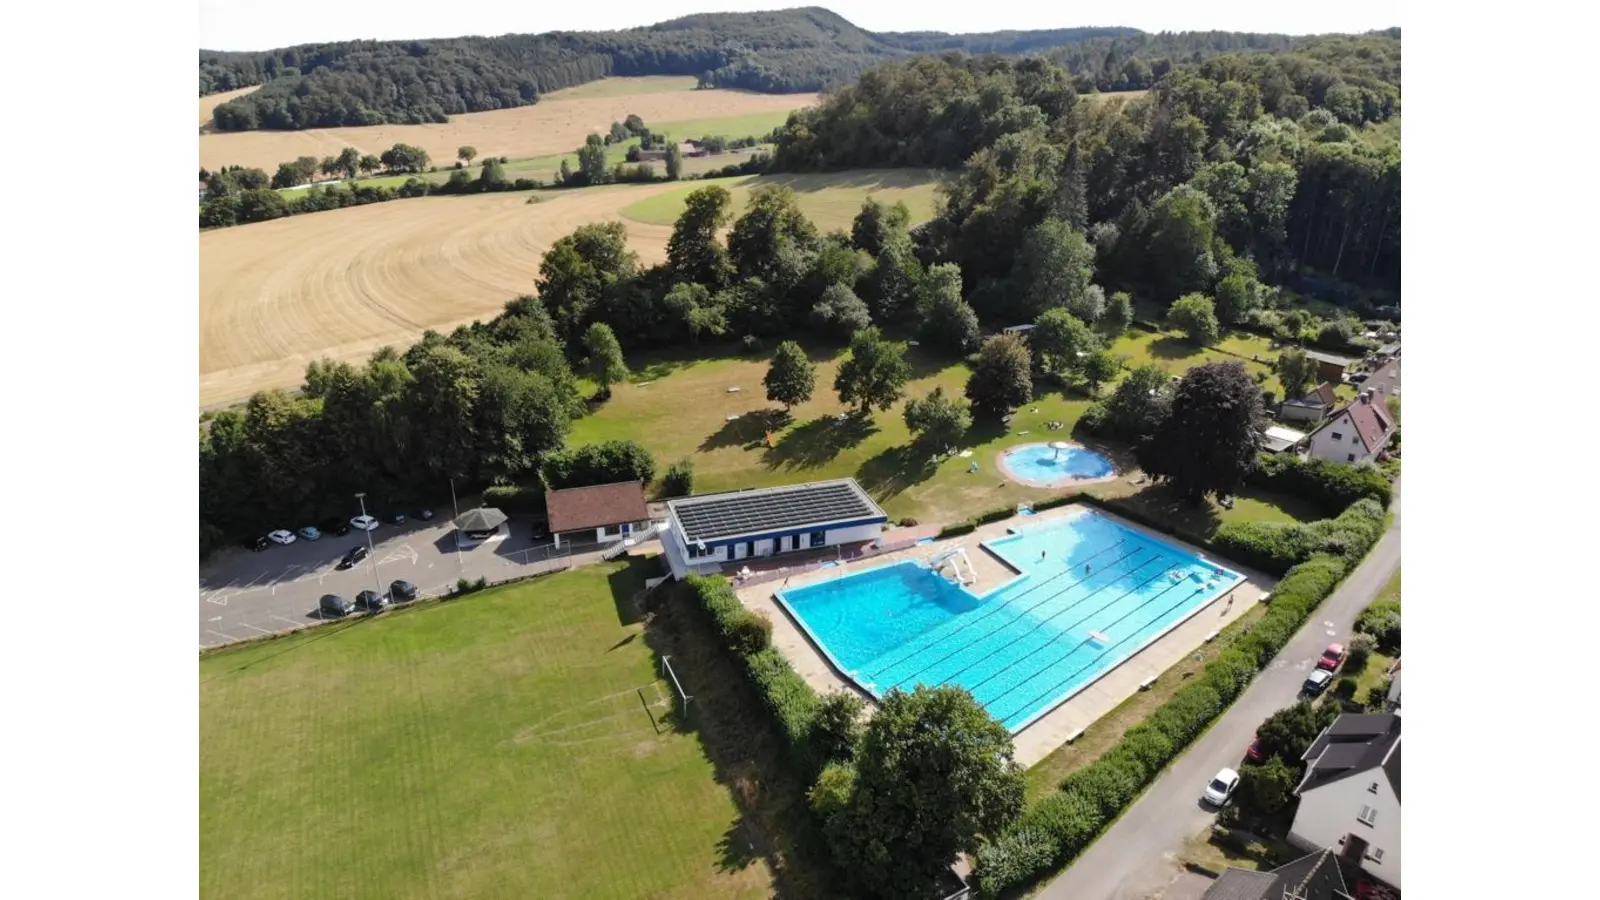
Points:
[683,697]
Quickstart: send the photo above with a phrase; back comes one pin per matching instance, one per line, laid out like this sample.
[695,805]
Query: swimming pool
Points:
[1091,594]
[1041,464]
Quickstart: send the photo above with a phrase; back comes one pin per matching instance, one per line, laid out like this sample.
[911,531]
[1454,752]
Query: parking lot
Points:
[244,594]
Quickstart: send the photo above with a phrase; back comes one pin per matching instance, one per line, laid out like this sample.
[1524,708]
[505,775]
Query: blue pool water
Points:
[1039,463]
[1025,646]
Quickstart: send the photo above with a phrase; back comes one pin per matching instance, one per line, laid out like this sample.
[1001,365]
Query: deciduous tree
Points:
[1061,342]
[840,313]
[1056,266]
[1002,377]
[875,374]
[937,420]
[1208,441]
[1195,315]
[790,377]
[949,324]
[694,252]
[875,225]
[1297,372]
[1100,367]
[467,154]
[1119,314]
[606,365]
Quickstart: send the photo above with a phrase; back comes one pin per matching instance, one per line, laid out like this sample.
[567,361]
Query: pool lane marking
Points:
[1040,624]
[1003,604]
[1055,687]
[1019,617]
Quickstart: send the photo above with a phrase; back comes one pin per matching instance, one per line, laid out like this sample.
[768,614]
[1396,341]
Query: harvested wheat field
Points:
[211,101]
[548,127]
[276,295]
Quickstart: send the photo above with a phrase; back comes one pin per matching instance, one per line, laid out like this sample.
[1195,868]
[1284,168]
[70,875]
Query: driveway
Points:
[245,594]
[1139,850]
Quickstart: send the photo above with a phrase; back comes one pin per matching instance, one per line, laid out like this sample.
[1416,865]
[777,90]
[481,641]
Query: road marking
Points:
[226,637]
[214,619]
[220,600]
[282,619]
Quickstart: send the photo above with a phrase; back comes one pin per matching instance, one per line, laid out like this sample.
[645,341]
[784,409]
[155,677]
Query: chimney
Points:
[1366,396]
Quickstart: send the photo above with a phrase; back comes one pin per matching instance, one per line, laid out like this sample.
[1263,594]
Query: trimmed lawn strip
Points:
[830,201]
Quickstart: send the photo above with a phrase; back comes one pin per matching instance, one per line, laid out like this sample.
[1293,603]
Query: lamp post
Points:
[372,553]
[453,505]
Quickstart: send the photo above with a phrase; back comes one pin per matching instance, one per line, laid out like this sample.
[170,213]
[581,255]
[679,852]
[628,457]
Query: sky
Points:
[252,25]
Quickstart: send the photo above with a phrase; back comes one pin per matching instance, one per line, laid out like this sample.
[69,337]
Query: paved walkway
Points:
[1044,736]
[1139,850]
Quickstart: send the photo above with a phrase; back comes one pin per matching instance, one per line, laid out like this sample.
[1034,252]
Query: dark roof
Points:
[576,509]
[797,507]
[1352,745]
[482,519]
[1320,356]
[1370,420]
[1322,875]
[1321,397]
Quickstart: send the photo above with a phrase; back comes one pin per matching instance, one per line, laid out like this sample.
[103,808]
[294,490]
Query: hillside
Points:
[415,82]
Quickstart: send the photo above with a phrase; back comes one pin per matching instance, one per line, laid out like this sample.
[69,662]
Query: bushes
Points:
[1381,620]
[511,498]
[1330,485]
[1275,547]
[793,704]
[1013,859]
[604,463]
[957,529]
[679,480]
[1359,652]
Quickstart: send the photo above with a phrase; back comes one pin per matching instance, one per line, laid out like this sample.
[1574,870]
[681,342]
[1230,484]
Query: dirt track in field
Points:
[211,101]
[550,126]
[276,295]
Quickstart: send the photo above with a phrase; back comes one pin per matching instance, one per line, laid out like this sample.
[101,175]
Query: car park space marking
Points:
[221,635]
[258,628]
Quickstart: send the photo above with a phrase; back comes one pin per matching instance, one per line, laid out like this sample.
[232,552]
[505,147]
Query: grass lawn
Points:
[1378,664]
[1247,851]
[515,743]
[677,405]
[830,201]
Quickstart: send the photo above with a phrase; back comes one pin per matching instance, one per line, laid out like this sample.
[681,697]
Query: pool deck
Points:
[1079,712]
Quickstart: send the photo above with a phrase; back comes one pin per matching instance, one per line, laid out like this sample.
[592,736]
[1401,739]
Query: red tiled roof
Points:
[575,509]
[1371,422]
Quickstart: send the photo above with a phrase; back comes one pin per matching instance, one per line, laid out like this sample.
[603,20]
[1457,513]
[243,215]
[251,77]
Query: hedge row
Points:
[1330,485]
[1276,546]
[748,637]
[510,498]
[1054,831]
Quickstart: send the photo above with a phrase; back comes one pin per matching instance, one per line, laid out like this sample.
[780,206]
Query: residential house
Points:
[1394,687]
[1277,439]
[1321,875]
[1313,407]
[1355,433]
[1330,367]
[705,531]
[602,513]
[1385,380]
[1350,795]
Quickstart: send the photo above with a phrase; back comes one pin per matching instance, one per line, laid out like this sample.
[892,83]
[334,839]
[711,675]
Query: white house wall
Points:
[1330,812]
[682,563]
[1325,446]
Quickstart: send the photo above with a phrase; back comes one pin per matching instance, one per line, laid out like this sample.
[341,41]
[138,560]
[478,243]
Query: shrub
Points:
[1013,859]
[1275,546]
[604,463]
[907,522]
[1052,503]
[749,633]
[1331,486]
[1381,620]
[957,529]
[1359,651]
[1345,689]
[838,725]
[679,480]
[996,515]
[510,498]
[1148,745]
[1107,784]
[832,791]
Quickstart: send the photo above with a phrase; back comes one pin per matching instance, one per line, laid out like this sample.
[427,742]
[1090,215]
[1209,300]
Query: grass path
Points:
[516,743]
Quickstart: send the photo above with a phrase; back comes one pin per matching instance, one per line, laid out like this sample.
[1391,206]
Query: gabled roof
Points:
[577,509]
[1323,875]
[790,509]
[1321,397]
[1369,419]
[485,518]
[1354,744]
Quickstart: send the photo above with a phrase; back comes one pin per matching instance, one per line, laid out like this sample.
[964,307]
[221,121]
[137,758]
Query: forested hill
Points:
[409,82]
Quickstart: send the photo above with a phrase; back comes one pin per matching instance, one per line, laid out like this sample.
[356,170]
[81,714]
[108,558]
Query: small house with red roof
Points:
[601,513]
[1354,434]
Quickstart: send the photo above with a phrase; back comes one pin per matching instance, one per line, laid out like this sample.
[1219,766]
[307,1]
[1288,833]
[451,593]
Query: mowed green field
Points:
[831,201]
[624,87]
[677,405]
[512,743]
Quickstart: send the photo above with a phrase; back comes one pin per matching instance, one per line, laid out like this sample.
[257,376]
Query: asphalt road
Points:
[1135,856]
[245,594]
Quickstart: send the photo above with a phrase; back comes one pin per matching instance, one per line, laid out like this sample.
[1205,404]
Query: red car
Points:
[1332,658]
[1254,754]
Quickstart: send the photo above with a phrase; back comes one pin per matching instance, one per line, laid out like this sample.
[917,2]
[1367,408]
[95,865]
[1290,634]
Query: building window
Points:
[1349,457]
[1368,816]
[1337,436]
[1376,854]
[818,538]
[699,551]
[1355,439]
[1372,788]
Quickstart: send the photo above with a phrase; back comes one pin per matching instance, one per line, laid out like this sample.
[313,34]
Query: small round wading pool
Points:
[1049,465]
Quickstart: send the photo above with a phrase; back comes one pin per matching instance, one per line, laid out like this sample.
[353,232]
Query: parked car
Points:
[371,601]
[1317,682]
[354,555]
[281,536]
[365,523]
[336,527]
[425,515]
[397,518]
[333,606]
[257,543]
[1255,753]
[403,592]
[311,533]
[1332,658]
[1221,787]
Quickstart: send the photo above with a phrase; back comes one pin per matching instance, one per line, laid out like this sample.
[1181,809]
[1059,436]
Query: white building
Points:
[1355,433]
[1350,796]
[1394,686]
[704,532]
[1313,407]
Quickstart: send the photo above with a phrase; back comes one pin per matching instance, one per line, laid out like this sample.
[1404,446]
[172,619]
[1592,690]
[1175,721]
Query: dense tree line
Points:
[1231,174]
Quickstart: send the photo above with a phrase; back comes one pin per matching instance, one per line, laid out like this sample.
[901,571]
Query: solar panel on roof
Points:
[727,515]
